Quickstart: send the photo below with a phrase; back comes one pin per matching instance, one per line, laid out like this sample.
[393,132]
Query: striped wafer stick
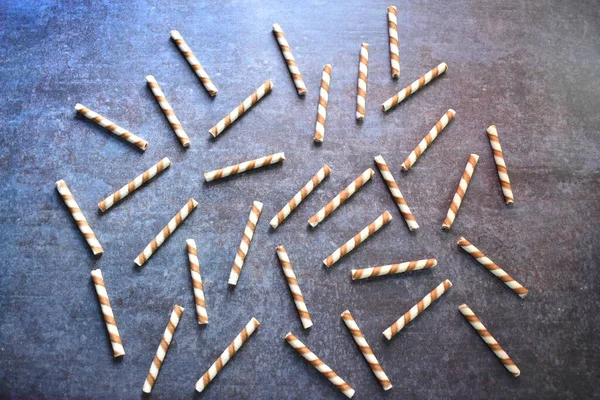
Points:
[197,281]
[193,61]
[341,198]
[289,59]
[168,110]
[418,308]
[428,139]
[393,34]
[366,350]
[411,222]
[319,365]
[139,180]
[361,93]
[166,232]
[243,167]
[413,87]
[393,268]
[251,100]
[240,257]
[107,312]
[493,268]
[300,196]
[500,165]
[82,223]
[161,352]
[227,355]
[294,287]
[323,101]
[489,340]
[360,237]
[461,190]
[111,126]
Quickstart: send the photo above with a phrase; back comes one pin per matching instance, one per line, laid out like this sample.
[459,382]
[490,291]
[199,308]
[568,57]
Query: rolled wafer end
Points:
[274,222]
[79,107]
[388,334]
[276,27]
[491,130]
[255,322]
[269,85]
[359,116]
[175,34]
[312,223]
[475,156]
[150,79]
[194,203]
[354,277]
[344,313]
[443,67]
[434,262]
[462,241]
[451,113]
[327,170]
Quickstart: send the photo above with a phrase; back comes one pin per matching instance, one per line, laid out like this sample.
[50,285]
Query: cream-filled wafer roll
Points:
[251,100]
[411,222]
[393,268]
[319,365]
[240,257]
[166,232]
[361,92]
[168,110]
[323,101]
[392,14]
[244,166]
[418,308]
[197,281]
[227,355]
[80,220]
[111,126]
[107,312]
[286,50]
[139,180]
[500,165]
[300,196]
[428,139]
[461,190]
[288,271]
[493,268]
[360,237]
[193,61]
[489,340]
[341,198]
[161,352]
[366,350]
[413,87]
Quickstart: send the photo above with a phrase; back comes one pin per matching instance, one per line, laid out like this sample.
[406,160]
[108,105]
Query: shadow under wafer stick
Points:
[461,190]
[290,277]
[413,87]
[240,257]
[197,281]
[361,91]
[286,51]
[243,167]
[195,64]
[322,107]
[392,13]
[393,268]
[168,111]
[107,313]
[500,165]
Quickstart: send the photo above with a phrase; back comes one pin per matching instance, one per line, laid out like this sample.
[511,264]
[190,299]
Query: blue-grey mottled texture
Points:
[529,67]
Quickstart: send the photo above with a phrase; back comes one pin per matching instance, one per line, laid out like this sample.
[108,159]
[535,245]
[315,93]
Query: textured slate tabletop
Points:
[530,68]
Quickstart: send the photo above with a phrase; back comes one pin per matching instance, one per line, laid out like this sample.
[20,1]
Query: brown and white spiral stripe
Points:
[461,190]
[413,87]
[193,61]
[323,101]
[240,257]
[284,46]
[288,271]
[227,355]
[111,126]
[500,165]
[197,281]
[243,167]
[393,268]
[361,92]
[392,14]
[107,312]
[418,308]
[168,110]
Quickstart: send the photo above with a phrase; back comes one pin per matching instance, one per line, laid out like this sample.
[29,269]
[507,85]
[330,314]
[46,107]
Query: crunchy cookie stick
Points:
[288,271]
[393,268]
[168,110]
[411,222]
[323,101]
[197,281]
[461,190]
[500,164]
[193,61]
[393,34]
[243,167]
[107,312]
[361,94]
[240,257]
[413,87]
[284,46]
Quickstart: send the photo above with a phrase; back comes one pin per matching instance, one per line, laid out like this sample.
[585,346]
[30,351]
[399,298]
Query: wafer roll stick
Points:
[418,308]
[166,232]
[323,101]
[251,100]
[411,222]
[107,312]
[493,268]
[111,126]
[489,340]
[289,59]
[243,167]
[80,220]
[139,180]
[461,190]
[366,350]
[341,198]
[168,110]
[286,265]
[319,365]
[227,355]
[161,352]
[428,139]
[393,268]
[413,87]
[197,281]
[500,165]
[300,196]
[360,237]
[193,61]
[240,257]
[361,94]
[392,14]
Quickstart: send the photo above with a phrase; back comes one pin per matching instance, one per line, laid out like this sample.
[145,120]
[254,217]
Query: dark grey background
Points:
[530,68]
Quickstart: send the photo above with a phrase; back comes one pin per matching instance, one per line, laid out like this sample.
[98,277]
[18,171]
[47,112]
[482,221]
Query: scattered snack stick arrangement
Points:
[202,309]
